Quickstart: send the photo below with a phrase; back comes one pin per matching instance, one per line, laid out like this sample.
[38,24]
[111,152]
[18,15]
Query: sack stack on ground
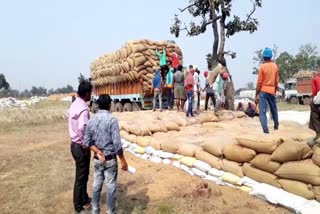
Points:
[135,61]
[281,160]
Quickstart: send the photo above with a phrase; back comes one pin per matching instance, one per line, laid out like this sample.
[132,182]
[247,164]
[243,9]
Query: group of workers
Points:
[183,84]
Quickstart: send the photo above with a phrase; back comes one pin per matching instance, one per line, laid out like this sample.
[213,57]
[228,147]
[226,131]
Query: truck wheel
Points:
[113,107]
[306,101]
[137,106]
[294,100]
[127,107]
[119,107]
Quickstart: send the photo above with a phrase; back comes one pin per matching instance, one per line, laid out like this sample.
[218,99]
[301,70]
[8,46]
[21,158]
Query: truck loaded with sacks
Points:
[127,74]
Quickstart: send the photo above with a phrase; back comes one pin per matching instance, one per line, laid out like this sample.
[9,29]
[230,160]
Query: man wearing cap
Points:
[267,84]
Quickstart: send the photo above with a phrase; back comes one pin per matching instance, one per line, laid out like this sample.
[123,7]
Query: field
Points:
[37,173]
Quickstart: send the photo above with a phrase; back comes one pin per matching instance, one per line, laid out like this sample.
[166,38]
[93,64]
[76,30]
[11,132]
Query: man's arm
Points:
[259,84]
[88,142]
[157,52]
[116,139]
[82,122]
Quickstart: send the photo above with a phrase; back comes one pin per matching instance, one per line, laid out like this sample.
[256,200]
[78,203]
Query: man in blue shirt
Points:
[157,90]
[102,136]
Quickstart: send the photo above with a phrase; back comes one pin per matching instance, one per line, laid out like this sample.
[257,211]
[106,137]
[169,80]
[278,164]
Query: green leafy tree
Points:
[81,78]
[3,82]
[287,66]
[217,15]
[307,58]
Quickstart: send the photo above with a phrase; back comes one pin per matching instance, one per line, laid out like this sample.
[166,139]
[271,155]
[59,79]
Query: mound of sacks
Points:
[231,142]
[136,60]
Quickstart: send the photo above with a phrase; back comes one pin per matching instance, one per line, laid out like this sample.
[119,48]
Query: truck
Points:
[127,74]
[298,90]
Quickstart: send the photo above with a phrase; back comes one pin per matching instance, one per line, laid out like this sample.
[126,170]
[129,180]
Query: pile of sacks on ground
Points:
[135,61]
[12,102]
[228,141]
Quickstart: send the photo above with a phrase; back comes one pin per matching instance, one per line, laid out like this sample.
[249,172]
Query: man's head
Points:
[180,68]
[104,102]
[84,90]
[206,73]
[267,54]
[190,66]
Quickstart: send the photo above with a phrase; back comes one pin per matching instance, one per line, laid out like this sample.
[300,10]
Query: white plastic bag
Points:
[149,150]
[166,155]
[166,161]
[211,178]
[247,182]
[215,172]
[202,166]
[176,164]
[198,172]
[155,159]
[186,169]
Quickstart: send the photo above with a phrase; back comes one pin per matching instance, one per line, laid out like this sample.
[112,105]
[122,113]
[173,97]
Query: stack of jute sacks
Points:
[281,159]
[135,61]
[305,74]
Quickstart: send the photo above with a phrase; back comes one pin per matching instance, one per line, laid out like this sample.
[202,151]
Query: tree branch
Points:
[191,5]
[252,12]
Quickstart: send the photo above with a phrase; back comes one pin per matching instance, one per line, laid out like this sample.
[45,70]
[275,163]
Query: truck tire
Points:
[294,100]
[137,106]
[113,107]
[127,107]
[306,101]
[119,107]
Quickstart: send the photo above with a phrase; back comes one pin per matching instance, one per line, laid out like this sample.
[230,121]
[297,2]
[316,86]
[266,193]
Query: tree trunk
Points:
[229,85]
[215,33]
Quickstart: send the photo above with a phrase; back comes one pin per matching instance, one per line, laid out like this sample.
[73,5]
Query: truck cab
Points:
[291,94]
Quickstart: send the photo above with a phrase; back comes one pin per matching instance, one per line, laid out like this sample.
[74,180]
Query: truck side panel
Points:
[304,86]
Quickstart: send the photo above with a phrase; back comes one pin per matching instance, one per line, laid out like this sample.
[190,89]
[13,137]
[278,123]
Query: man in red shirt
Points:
[314,122]
[189,84]
[174,60]
[267,84]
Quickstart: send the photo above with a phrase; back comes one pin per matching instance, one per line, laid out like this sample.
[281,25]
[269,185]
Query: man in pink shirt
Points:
[78,116]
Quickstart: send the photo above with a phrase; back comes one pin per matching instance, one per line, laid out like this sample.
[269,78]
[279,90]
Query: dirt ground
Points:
[37,174]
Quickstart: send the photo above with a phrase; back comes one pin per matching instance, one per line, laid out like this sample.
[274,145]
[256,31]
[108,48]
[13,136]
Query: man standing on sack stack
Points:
[267,85]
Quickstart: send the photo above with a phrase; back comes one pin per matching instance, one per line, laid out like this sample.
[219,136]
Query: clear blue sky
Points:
[48,43]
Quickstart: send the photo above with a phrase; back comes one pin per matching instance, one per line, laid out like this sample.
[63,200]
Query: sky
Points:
[48,43]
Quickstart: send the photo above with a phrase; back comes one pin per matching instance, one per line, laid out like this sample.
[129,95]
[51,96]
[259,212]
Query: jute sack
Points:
[291,151]
[297,188]
[139,60]
[124,135]
[206,157]
[188,149]
[171,126]
[214,144]
[259,143]
[316,156]
[139,129]
[169,145]
[132,138]
[232,167]
[305,171]
[155,143]
[240,114]
[157,127]
[264,162]
[143,141]
[238,153]
[259,175]
[316,191]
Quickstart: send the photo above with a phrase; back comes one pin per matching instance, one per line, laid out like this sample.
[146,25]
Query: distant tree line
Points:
[7,91]
[307,59]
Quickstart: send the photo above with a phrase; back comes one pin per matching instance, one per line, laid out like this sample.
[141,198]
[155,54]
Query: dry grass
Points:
[284,106]
[45,112]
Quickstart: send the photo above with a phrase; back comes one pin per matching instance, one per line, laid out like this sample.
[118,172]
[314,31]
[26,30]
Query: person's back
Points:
[268,77]
[178,79]
[103,138]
